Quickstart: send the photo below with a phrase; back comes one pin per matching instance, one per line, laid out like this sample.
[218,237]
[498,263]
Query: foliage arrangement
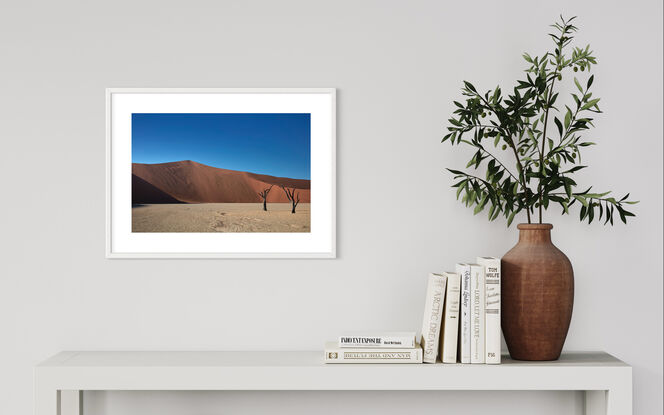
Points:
[521,125]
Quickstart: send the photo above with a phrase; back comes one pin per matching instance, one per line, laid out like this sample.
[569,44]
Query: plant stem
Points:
[516,155]
[566,136]
[603,199]
[541,166]
[501,163]
[470,176]
[523,177]
[556,73]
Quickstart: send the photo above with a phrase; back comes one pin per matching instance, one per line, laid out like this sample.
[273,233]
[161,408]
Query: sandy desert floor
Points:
[221,217]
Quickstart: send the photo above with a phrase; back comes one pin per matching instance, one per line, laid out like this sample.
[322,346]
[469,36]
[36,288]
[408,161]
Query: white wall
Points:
[397,67]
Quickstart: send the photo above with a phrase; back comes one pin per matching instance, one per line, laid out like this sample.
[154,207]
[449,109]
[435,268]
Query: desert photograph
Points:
[221,172]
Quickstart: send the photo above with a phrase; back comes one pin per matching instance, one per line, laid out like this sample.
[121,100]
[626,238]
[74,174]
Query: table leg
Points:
[70,402]
[595,402]
[619,399]
[47,400]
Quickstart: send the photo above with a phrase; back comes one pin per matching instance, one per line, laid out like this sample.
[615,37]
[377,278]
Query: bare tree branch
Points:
[291,195]
[263,194]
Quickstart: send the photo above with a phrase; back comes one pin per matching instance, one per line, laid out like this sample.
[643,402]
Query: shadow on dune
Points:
[143,192]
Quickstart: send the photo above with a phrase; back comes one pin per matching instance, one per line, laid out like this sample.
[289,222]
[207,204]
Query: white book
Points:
[382,339]
[433,315]
[492,308]
[464,313]
[336,354]
[477,313]
[450,326]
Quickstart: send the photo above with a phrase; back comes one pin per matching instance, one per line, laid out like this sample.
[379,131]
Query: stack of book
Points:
[462,314]
[374,348]
[461,323]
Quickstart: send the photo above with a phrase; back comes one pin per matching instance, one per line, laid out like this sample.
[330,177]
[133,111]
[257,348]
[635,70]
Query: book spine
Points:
[387,342]
[450,329]
[477,314]
[464,313]
[433,314]
[374,356]
[492,322]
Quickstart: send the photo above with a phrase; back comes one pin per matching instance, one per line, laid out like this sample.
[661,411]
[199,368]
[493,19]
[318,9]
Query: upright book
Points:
[336,354]
[385,340]
[477,313]
[492,308]
[464,313]
[450,326]
[433,315]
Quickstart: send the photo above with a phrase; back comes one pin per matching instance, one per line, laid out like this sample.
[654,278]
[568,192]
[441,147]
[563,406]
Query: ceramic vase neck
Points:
[535,233]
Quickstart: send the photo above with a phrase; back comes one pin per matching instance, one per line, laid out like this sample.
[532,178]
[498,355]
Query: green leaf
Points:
[565,207]
[459,190]
[578,85]
[496,213]
[575,169]
[590,81]
[590,104]
[581,199]
[478,209]
[511,218]
[471,162]
[559,125]
[568,117]
[596,195]
[612,214]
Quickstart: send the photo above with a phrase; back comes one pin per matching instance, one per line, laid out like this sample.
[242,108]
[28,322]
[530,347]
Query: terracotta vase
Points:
[537,295]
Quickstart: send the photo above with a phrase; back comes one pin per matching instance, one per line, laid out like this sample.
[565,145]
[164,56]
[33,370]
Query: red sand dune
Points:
[191,182]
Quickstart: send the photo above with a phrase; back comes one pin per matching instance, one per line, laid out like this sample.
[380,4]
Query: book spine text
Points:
[450,327]
[464,313]
[433,314]
[477,313]
[492,309]
[377,341]
[373,356]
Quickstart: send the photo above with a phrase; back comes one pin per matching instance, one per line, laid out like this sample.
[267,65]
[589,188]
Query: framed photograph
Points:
[220,173]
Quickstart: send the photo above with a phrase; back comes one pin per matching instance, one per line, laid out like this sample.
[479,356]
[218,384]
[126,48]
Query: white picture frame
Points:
[121,242]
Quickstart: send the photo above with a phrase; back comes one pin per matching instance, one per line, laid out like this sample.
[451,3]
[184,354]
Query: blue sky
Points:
[273,144]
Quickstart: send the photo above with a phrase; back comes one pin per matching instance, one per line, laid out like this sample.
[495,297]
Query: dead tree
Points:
[263,194]
[293,197]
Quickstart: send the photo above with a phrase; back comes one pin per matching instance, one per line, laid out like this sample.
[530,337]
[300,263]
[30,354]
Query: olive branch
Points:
[520,125]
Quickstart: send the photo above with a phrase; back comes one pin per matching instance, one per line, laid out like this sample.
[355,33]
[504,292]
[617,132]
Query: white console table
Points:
[60,380]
